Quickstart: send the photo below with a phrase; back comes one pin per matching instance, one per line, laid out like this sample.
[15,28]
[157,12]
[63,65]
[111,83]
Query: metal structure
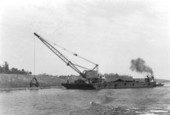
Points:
[92,80]
[66,60]
[34,82]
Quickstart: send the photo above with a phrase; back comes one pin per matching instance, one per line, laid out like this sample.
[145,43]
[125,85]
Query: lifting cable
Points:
[75,54]
[32,83]
[81,67]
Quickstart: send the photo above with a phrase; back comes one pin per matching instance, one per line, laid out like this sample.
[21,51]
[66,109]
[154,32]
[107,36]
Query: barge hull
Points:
[111,85]
[78,86]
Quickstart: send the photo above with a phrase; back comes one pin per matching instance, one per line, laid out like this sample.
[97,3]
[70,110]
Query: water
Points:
[144,101]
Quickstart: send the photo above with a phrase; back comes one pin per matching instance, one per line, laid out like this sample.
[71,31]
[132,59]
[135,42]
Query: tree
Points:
[6,67]
[23,71]
[0,69]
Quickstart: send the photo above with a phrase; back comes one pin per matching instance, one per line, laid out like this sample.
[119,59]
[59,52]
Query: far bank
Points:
[23,81]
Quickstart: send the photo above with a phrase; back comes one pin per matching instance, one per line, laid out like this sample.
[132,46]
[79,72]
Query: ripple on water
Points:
[150,101]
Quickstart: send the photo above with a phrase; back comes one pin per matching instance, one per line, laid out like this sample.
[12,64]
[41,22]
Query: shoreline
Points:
[30,88]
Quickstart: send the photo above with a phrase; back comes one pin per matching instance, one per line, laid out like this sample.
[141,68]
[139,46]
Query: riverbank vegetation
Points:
[4,68]
[22,81]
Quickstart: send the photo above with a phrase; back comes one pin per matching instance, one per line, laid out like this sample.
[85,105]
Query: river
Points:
[58,101]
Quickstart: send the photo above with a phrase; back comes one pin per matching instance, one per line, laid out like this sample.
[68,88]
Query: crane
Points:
[84,74]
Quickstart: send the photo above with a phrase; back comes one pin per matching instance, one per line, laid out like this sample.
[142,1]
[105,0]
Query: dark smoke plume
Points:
[139,65]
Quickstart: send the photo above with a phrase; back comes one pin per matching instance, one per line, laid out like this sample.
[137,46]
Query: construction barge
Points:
[91,78]
[98,83]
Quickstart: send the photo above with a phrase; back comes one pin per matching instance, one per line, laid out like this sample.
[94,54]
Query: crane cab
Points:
[91,74]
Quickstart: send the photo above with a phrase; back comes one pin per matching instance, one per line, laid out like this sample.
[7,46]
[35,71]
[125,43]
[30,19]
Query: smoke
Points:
[139,65]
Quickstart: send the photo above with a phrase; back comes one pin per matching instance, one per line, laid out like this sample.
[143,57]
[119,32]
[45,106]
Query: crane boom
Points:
[60,55]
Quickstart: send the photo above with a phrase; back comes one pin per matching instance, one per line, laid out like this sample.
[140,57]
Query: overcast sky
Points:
[107,32]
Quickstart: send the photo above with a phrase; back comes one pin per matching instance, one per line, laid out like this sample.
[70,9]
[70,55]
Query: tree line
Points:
[4,68]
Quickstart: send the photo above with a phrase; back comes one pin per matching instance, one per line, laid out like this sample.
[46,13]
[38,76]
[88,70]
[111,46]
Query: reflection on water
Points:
[155,101]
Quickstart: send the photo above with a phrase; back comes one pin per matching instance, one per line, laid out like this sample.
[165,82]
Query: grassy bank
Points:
[23,81]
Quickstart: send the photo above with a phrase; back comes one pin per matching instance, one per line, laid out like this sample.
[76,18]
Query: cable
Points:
[34,56]
[75,54]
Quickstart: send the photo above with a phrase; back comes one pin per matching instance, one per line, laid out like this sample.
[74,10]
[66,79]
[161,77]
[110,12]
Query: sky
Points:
[108,32]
